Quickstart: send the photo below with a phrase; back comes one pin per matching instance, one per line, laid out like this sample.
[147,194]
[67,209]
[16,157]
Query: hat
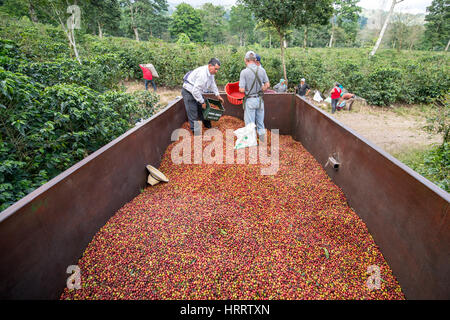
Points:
[302,79]
[258,57]
[155,176]
[249,54]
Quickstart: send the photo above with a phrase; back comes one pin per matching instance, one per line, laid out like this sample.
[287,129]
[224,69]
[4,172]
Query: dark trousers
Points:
[334,103]
[194,110]
[152,82]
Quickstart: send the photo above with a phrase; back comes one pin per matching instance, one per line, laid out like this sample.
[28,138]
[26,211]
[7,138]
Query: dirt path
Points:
[166,95]
[394,132]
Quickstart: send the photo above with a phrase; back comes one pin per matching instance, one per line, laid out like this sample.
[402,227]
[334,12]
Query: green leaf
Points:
[326,253]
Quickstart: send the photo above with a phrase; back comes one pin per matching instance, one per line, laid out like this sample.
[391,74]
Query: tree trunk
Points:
[448,44]
[32,12]
[134,26]
[136,33]
[282,54]
[305,37]
[71,36]
[380,37]
[68,28]
[332,34]
[100,32]
[75,47]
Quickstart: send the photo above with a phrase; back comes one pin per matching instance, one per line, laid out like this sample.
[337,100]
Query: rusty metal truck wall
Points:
[407,215]
[278,113]
[48,230]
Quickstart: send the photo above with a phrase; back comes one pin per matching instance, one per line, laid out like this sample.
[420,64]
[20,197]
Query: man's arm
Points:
[197,88]
[241,83]
[214,89]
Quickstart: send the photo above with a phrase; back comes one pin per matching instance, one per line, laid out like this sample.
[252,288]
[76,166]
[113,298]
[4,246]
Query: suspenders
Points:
[260,92]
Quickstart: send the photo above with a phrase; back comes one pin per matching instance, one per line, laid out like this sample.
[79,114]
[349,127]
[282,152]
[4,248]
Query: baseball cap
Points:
[303,79]
[249,54]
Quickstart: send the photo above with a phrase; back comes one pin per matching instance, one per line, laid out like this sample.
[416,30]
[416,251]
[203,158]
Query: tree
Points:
[186,19]
[68,16]
[129,18]
[103,15]
[437,25]
[404,31]
[144,18]
[314,36]
[380,37]
[346,17]
[284,14]
[213,22]
[265,33]
[19,8]
[160,23]
[241,22]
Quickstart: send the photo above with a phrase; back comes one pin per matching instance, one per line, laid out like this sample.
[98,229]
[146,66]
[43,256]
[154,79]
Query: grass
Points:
[429,163]
[413,158]
[417,110]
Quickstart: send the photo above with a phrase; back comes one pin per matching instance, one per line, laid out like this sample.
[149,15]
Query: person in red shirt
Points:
[335,95]
[148,77]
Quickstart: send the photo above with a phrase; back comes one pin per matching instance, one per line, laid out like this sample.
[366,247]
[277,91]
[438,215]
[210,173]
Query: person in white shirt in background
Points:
[195,84]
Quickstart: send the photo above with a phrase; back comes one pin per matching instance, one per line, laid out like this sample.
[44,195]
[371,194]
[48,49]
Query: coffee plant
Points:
[54,111]
[45,130]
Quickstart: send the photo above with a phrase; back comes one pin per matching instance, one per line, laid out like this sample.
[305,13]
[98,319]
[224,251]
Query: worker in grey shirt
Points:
[253,81]
[195,83]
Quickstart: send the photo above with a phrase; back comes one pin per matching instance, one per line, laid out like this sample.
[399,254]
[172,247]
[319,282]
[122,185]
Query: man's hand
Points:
[220,99]
[204,106]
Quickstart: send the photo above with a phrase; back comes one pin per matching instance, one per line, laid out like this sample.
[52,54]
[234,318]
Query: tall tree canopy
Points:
[241,23]
[437,26]
[283,14]
[102,16]
[187,20]
[144,18]
[213,23]
[346,18]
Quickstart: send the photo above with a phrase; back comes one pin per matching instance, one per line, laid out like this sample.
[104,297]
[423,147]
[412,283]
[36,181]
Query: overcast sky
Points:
[410,6]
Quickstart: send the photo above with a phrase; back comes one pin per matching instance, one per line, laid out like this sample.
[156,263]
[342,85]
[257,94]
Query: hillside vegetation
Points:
[55,111]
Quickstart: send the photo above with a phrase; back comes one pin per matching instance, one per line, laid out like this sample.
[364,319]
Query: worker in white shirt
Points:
[195,83]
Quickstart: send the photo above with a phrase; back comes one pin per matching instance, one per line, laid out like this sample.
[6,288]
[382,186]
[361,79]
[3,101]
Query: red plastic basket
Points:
[233,95]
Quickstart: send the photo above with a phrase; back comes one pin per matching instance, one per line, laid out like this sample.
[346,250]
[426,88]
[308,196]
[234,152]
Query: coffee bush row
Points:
[46,129]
